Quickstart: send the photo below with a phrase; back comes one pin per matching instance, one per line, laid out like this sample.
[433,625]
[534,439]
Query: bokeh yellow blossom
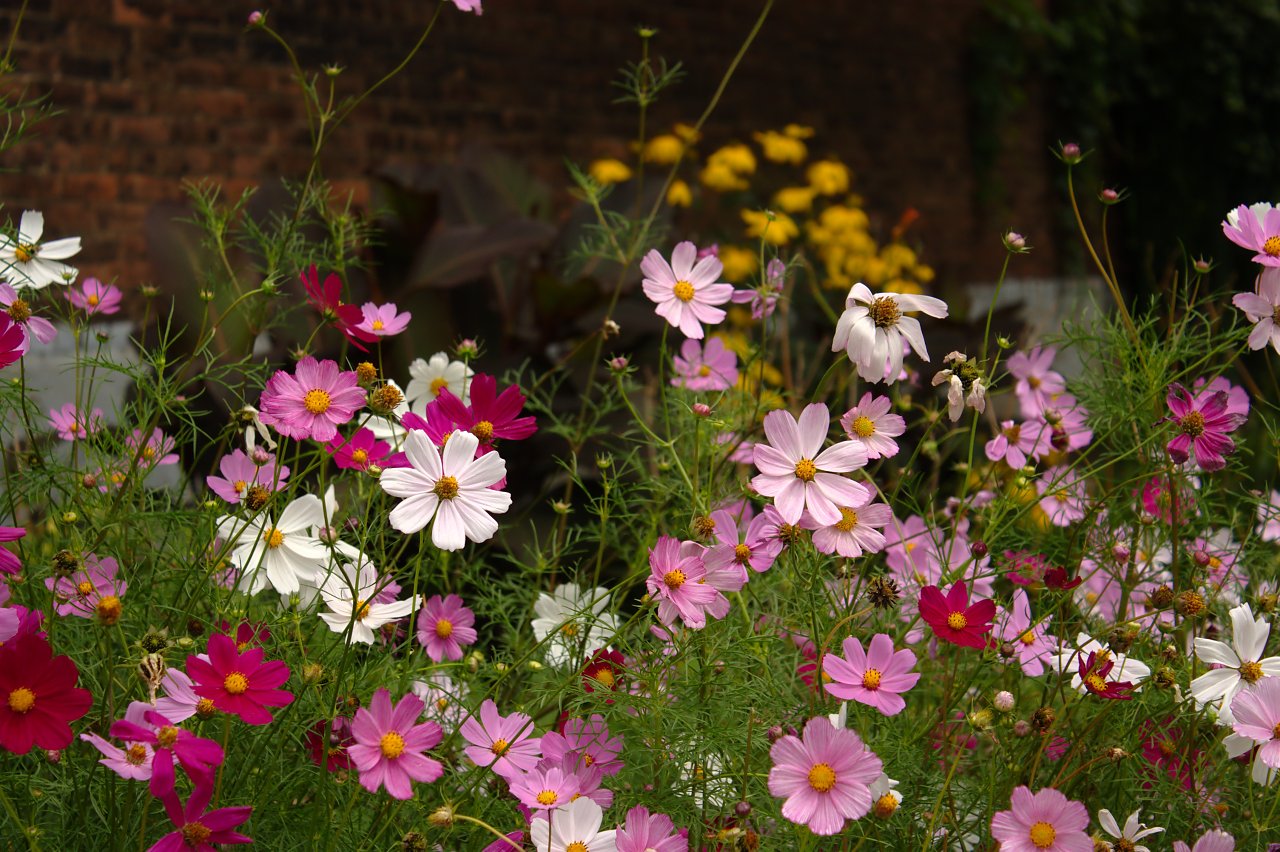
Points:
[777,229]
[794,199]
[688,133]
[828,177]
[739,263]
[663,150]
[679,194]
[780,148]
[608,172]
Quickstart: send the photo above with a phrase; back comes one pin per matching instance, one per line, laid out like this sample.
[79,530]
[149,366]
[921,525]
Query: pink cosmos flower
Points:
[1031,645]
[240,473]
[741,540]
[713,368]
[686,294]
[1262,307]
[13,341]
[133,762]
[504,742]
[327,299]
[180,701]
[157,451]
[444,626]
[92,592]
[874,329]
[855,533]
[1062,496]
[313,402]
[1214,840]
[587,741]
[197,755]
[877,677]
[389,745]
[240,683]
[469,6]
[199,831]
[362,451]
[646,832]
[9,562]
[799,474]
[94,297]
[1068,423]
[1257,717]
[954,619]
[1256,228]
[825,777]
[1018,441]
[547,786]
[19,311]
[1037,384]
[1268,519]
[490,416]
[71,423]
[870,423]
[1203,424]
[1046,821]
[764,300]
[383,320]
[1237,397]
[676,579]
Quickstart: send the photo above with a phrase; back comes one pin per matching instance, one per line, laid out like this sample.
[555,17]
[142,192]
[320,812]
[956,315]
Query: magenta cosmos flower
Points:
[10,564]
[686,294]
[383,320]
[1044,822]
[197,755]
[71,423]
[1262,307]
[954,619]
[38,693]
[363,450]
[870,423]
[19,311]
[709,368]
[646,832]
[1203,423]
[444,626]
[676,575]
[877,677]
[199,831]
[1255,227]
[1037,383]
[489,415]
[1257,714]
[313,402]
[799,474]
[389,743]
[240,683]
[327,299]
[825,777]
[94,297]
[503,742]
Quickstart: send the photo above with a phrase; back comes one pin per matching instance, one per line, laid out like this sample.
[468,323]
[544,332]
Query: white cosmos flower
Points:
[573,828]
[349,593]
[450,486]
[884,798]
[30,263]
[1126,668]
[1132,831]
[1241,661]
[872,328]
[283,553]
[431,377]
[575,620]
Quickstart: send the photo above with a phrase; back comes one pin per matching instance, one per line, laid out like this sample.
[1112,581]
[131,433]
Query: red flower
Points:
[490,416]
[198,830]
[1162,746]
[1093,673]
[240,683]
[327,741]
[953,619]
[248,633]
[327,299]
[38,696]
[604,671]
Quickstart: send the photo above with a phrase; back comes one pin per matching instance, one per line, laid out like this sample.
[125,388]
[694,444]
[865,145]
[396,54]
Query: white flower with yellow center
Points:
[430,377]
[1242,662]
[575,621]
[573,828]
[349,595]
[281,553]
[872,328]
[26,262]
[1128,835]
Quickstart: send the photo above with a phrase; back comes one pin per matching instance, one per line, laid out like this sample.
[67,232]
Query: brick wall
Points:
[158,91]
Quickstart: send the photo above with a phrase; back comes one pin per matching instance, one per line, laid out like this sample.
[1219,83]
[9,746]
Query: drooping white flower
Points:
[1242,662]
[27,262]
[576,622]
[283,553]
[437,374]
[964,385]
[349,594]
[449,486]
[872,328]
[1132,831]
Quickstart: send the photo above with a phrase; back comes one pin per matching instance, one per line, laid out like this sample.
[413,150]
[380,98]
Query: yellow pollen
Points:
[863,427]
[957,621]
[1192,424]
[109,609]
[442,704]
[1275,732]
[806,470]
[1215,562]
[391,745]
[848,519]
[19,310]
[587,760]
[24,252]
[446,488]
[377,325]
[438,384]
[885,806]
[605,677]
[822,777]
[166,736]
[1060,496]
[704,371]
[360,457]
[196,834]
[135,754]
[1250,672]
[84,589]
[548,797]
[871,679]
[1033,381]
[1270,247]
[674,579]
[741,553]
[1042,835]
[1028,638]
[884,312]
[148,453]
[205,708]
[499,747]
[21,700]
[1095,683]
[93,300]
[444,628]
[910,547]
[316,401]
[235,683]
[239,486]
[362,610]
[73,427]
[273,537]
[483,431]
[683,291]
[577,846]
[570,629]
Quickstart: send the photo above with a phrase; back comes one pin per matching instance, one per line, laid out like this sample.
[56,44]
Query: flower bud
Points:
[701,409]
[619,364]
[366,373]
[775,733]
[1201,265]
[1071,154]
[1109,196]
[1003,701]
[978,549]
[1190,604]
[467,349]
[742,809]
[256,18]
[1015,242]
[441,817]
[1021,728]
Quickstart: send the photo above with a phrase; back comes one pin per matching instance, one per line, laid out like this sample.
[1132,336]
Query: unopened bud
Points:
[1109,196]
[1071,153]
[701,409]
[256,18]
[467,349]
[978,549]
[619,363]
[1003,701]
[1015,242]
[312,673]
[775,733]
[441,817]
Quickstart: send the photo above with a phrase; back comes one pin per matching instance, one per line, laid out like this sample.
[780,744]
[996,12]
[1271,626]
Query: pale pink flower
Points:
[1017,441]
[1031,645]
[133,762]
[501,741]
[389,745]
[158,449]
[1037,383]
[1255,227]
[469,6]
[855,533]
[1214,840]
[588,741]
[1262,307]
[1045,821]
[547,786]
[876,677]
[71,423]
[646,832]
[241,472]
[799,474]
[676,579]
[870,423]
[742,541]
[709,368]
[94,297]
[444,626]
[383,320]
[1269,517]
[1062,496]
[825,777]
[873,327]
[686,294]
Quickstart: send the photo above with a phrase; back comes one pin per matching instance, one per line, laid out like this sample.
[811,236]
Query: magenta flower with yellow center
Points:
[313,402]
[240,683]
[389,745]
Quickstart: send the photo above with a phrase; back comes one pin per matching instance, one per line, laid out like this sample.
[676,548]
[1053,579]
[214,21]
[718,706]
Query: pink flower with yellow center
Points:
[313,402]
[444,626]
[876,677]
[825,776]
[686,294]
[240,683]
[799,474]
[1045,821]
[389,745]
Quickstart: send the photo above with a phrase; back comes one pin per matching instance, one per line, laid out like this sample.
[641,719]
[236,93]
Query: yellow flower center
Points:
[1043,835]
[577,846]
[1215,563]
[93,300]
[444,628]
[362,610]
[19,310]
[884,312]
[73,427]
[205,708]
[196,834]
[483,431]
[885,806]
[1061,496]
[704,371]
[273,537]
[806,470]
[166,736]
[135,754]
[548,797]
[109,609]
[683,291]
[848,519]
[438,384]
[148,453]
[316,401]
[1028,638]
[24,252]
[822,777]
[239,486]
[391,745]
[442,704]
[1270,247]
[1013,433]
[741,553]
[377,325]
[21,700]
[871,679]
[1250,672]
[863,427]
[235,683]
[605,676]
[360,457]
[674,579]
[84,589]
[1095,683]
[1275,732]
[957,621]
[569,629]
[1192,424]
[499,747]
[446,488]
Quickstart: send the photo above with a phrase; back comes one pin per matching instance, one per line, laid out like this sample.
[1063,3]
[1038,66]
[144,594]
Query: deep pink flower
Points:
[686,294]
[588,741]
[1037,383]
[1093,673]
[38,694]
[605,671]
[313,402]
[382,320]
[877,677]
[742,541]
[870,423]
[954,619]
[825,777]
[1046,821]
[327,299]
[713,368]
[1203,423]
[328,741]
[1257,717]
[240,683]
[19,311]
[676,579]
[197,755]
[646,832]
[1255,227]
[504,742]
[444,626]
[490,416]
[9,562]
[363,450]
[390,744]
[198,831]
[799,474]
[94,297]
[240,473]
[70,422]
